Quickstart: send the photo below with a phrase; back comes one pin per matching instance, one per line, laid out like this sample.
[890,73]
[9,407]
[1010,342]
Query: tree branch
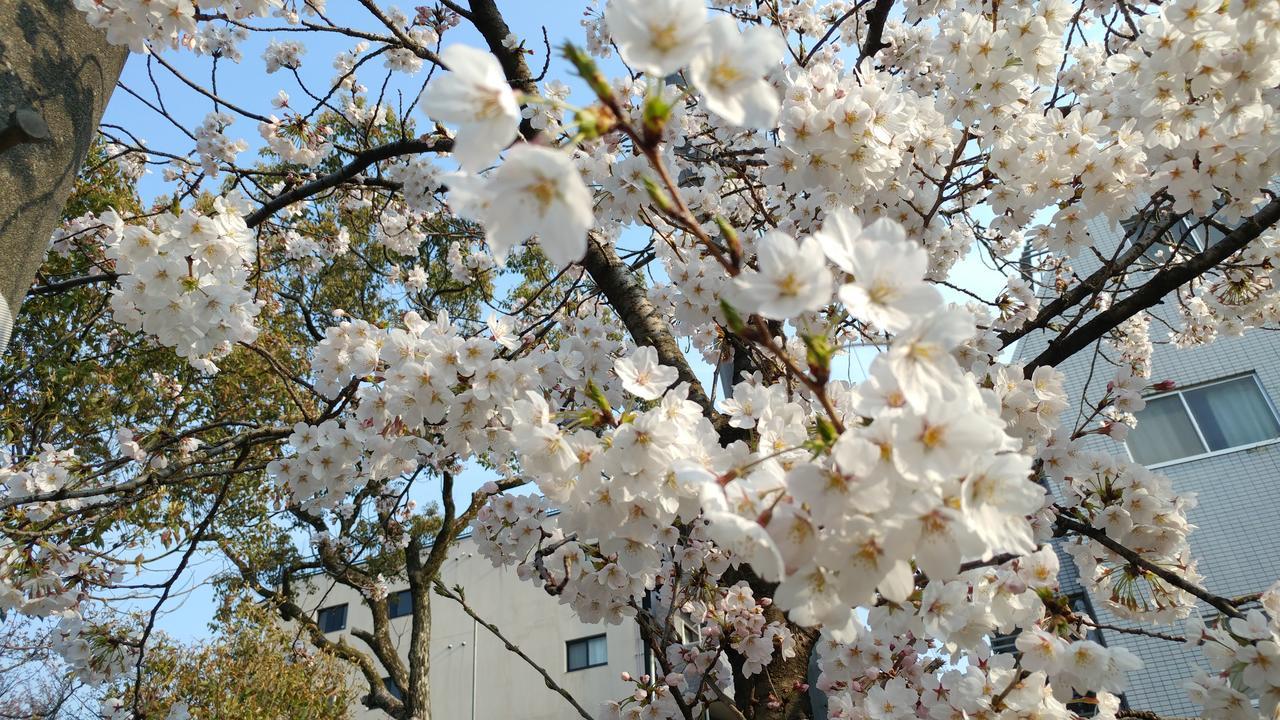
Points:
[435,143]
[1165,282]
[602,263]
[876,19]
[56,287]
[1223,605]
[378,696]
[646,325]
[1092,284]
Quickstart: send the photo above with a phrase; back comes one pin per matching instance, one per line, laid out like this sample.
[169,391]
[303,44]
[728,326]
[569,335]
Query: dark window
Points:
[586,652]
[400,604]
[332,619]
[1004,643]
[393,688]
[1203,419]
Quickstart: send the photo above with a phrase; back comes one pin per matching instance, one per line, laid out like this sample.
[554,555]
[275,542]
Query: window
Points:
[393,688]
[400,604]
[1205,419]
[685,631]
[586,652]
[332,619]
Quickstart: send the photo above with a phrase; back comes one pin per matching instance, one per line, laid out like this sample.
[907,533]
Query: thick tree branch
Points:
[1166,281]
[1223,605]
[647,327]
[876,19]
[54,288]
[623,291]
[171,474]
[358,164]
[488,20]
[1092,284]
[378,696]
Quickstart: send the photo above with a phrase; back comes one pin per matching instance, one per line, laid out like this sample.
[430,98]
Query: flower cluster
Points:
[183,280]
[213,146]
[888,667]
[1244,654]
[294,140]
[140,24]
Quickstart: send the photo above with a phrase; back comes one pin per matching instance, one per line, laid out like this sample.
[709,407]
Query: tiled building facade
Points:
[1237,540]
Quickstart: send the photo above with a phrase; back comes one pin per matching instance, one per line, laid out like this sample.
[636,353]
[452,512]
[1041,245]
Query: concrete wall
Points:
[505,686]
[1236,541]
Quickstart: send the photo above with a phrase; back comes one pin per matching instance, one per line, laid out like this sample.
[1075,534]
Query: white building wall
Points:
[468,661]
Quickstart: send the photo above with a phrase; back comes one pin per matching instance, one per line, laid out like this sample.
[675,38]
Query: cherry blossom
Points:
[792,278]
[534,192]
[730,73]
[770,189]
[475,95]
[657,36]
[642,376]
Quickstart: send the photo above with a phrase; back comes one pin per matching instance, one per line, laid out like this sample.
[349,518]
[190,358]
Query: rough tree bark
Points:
[56,74]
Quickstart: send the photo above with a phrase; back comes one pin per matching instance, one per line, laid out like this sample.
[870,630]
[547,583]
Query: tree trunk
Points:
[417,697]
[56,74]
[780,691]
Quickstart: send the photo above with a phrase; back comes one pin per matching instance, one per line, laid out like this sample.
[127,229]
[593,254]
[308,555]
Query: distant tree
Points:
[252,669]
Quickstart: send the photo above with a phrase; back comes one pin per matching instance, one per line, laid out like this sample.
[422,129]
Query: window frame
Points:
[320,614]
[1262,390]
[393,603]
[568,659]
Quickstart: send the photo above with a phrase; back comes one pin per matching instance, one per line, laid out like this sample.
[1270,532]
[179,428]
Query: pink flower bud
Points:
[1164,386]
[626,677]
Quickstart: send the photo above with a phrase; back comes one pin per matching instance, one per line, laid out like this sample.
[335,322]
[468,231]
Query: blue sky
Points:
[189,610]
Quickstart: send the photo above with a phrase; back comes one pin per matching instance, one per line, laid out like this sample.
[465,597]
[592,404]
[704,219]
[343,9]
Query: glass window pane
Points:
[577,655]
[1164,433]
[587,652]
[1005,643]
[597,651]
[1232,413]
[400,604]
[1141,228]
[332,619]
